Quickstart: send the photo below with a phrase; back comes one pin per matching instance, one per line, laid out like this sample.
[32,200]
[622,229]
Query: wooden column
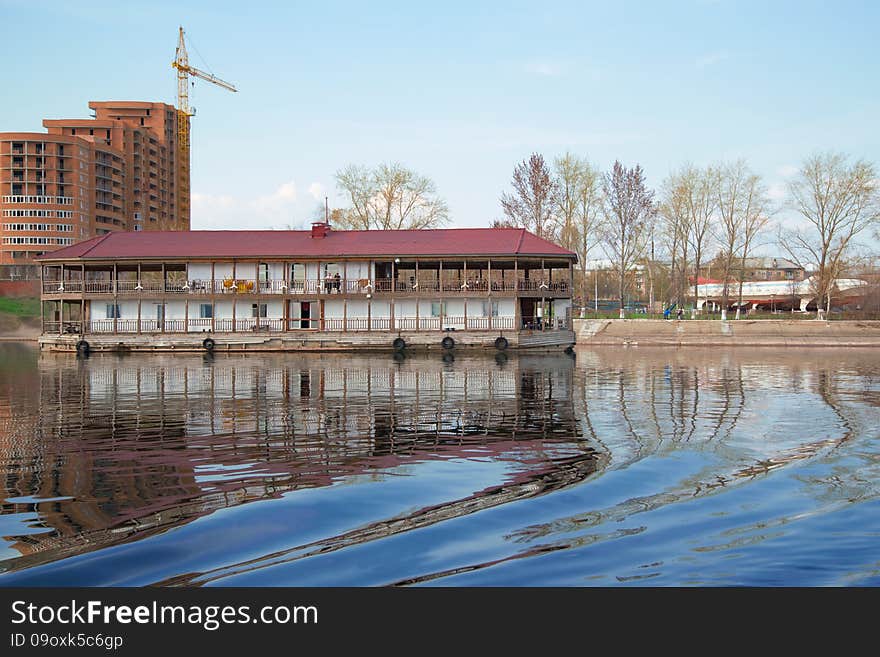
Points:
[391,313]
[489,290]
[115,279]
[234,303]
[369,314]
[139,312]
[82,316]
[186,315]
[543,301]
[344,315]
[517,314]
[467,291]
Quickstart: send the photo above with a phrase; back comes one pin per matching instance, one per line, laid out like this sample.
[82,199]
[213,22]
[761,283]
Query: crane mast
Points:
[184,71]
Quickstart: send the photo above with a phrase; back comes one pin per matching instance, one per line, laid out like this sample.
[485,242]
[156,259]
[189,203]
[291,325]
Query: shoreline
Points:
[729,333]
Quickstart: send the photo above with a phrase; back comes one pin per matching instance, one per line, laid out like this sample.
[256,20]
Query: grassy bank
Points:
[19,316]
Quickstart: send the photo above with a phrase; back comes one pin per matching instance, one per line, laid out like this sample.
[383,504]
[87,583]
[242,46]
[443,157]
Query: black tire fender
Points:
[501,343]
[208,344]
[83,347]
[399,344]
[447,343]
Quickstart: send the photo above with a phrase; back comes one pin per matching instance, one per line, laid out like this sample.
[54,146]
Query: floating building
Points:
[321,289]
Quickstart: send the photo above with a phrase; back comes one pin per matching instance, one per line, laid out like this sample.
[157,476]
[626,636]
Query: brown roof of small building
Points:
[300,243]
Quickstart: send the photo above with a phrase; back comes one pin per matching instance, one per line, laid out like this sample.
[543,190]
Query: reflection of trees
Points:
[130,446]
[707,401]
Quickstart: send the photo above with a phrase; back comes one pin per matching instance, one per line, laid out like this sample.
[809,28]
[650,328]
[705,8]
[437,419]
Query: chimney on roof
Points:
[320,229]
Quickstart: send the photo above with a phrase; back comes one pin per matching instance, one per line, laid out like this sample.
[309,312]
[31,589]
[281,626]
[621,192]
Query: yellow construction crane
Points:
[184,71]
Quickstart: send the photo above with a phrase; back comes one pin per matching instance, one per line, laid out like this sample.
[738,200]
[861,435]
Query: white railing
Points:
[271,325]
[99,287]
[38,200]
[199,325]
[139,287]
[60,287]
[241,286]
[453,322]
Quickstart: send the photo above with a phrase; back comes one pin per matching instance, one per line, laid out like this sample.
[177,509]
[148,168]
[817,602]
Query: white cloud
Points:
[316,189]
[544,67]
[710,59]
[777,192]
[278,209]
[787,170]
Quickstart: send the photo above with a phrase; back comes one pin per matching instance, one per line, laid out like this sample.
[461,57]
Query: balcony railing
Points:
[99,287]
[276,325]
[362,286]
[19,198]
[62,287]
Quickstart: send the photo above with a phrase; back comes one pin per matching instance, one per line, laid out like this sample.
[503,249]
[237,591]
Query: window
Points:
[258,310]
[438,308]
[113,311]
[490,309]
[206,311]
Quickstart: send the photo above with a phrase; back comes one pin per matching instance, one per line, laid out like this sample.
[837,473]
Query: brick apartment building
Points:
[119,170]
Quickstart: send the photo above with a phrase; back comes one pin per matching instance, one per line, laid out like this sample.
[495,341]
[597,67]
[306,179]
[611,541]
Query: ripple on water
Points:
[623,467]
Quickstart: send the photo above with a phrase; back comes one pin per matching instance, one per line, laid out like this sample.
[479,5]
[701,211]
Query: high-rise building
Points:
[119,170]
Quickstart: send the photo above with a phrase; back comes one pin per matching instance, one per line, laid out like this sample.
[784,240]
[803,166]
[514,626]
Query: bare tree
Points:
[389,197]
[530,206]
[755,218]
[734,186]
[839,201]
[674,232]
[700,203]
[628,212]
[577,208]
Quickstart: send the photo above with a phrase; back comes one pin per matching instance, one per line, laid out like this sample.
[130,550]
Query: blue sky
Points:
[459,91]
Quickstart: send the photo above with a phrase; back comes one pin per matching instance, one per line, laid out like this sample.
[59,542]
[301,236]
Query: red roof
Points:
[300,243]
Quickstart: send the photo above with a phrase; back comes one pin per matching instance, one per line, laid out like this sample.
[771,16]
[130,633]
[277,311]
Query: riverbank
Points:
[19,318]
[743,333]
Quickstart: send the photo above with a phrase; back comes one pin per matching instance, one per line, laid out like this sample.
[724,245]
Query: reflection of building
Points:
[126,447]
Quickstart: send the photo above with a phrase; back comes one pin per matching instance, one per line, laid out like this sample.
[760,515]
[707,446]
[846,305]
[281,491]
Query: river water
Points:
[613,467]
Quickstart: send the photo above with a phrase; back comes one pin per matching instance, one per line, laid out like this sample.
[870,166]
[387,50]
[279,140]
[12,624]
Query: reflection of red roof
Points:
[288,243]
[706,281]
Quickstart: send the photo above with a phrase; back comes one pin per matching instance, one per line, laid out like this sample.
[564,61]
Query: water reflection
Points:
[621,466]
[124,447]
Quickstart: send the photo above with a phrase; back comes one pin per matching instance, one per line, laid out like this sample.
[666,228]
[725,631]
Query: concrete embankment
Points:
[743,332]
